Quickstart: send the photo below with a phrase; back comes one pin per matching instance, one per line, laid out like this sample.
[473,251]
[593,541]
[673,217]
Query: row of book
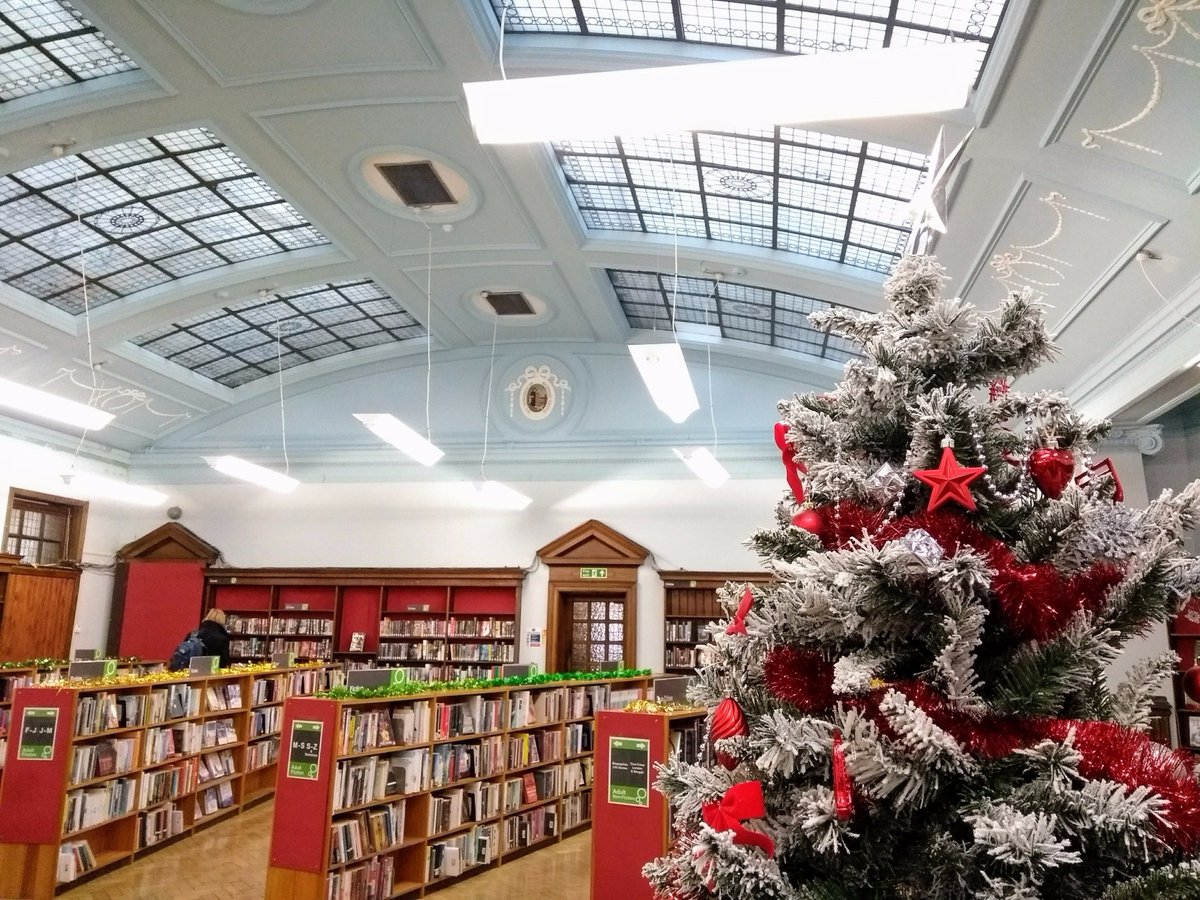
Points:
[580,736]
[168,783]
[265,721]
[91,806]
[535,787]
[114,756]
[371,778]
[483,652]
[680,630]
[412,628]
[302,649]
[105,711]
[526,708]
[681,657]
[317,626]
[373,880]
[687,739]
[530,827]
[236,624]
[453,855]
[471,803]
[459,761]
[223,695]
[212,766]
[218,732]
[369,832]
[367,729]
[576,809]
[214,799]
[74,859]
[262,753]
[248,647]
[410,650]
[532,747]
[578,774]
[471,715]
[265,690]
[162,744]
[159,824]
[504,628]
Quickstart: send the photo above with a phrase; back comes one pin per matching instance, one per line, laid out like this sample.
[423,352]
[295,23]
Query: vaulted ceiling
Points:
[200,229]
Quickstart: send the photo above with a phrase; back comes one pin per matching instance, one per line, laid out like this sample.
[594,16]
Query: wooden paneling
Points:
[39,612]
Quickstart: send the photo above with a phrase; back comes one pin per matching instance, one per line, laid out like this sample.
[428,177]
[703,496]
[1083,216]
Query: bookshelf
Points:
[437,624]
[632,820]
[399,797]
[690,604]
[134,766]
[1183,637]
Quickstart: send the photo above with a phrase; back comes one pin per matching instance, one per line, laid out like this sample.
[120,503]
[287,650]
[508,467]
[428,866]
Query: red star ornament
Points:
[949,481]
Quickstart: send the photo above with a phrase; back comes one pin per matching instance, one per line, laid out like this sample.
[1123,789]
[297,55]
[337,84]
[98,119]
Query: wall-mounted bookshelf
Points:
[396,798]
[690,605]
[435,623]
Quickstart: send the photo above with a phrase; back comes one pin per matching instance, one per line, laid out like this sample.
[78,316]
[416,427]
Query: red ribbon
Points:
[738,625]
[791,467]
[742,801]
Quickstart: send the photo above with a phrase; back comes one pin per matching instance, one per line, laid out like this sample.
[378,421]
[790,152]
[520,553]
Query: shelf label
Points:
[629,771]
[304,749]
[593,572]
[92,668]
[36,740]
[204,665]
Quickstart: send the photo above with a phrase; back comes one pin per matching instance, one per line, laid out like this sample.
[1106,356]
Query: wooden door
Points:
[39,613]
[594,628]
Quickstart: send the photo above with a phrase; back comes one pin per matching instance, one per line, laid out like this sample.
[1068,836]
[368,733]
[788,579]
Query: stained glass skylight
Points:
[784,189]
[236,344]
[782,26]
[137,214]
[46,44]
[741,312]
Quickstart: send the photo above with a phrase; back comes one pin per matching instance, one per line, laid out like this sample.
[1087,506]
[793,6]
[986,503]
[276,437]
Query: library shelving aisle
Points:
[98,773]
[632,820]
[399,796]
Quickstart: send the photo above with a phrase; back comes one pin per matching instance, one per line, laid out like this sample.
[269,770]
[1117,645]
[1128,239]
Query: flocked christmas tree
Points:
[917,706]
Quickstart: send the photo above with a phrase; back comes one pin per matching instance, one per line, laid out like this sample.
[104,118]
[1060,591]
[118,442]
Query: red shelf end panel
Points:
[35,768]
[303,784]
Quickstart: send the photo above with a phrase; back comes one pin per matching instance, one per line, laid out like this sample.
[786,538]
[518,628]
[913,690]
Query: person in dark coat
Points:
[213,635]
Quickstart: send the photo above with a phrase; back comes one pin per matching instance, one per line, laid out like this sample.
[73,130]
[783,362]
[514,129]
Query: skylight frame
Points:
[235,344]
[786,177]
[153,209]
[650,300]
[51,45]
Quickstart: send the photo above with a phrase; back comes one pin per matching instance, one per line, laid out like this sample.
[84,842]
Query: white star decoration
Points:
[927,210]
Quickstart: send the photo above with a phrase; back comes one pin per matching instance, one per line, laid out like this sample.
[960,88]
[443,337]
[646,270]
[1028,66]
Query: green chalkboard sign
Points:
[36,738]
[629,771]
[304,750]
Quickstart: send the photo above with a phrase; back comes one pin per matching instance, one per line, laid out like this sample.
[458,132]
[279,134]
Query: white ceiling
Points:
[304,93]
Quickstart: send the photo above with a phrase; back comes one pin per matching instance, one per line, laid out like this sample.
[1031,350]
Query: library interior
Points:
[602,449]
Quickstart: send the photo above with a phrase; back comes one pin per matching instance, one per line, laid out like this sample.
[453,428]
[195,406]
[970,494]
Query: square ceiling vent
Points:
[509,303]
[416,183]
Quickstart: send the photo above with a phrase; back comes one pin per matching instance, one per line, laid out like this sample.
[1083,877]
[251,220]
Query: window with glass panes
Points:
[597,632]
[42,531]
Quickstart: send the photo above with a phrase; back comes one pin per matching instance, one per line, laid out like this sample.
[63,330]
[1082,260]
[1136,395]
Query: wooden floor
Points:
[229,862]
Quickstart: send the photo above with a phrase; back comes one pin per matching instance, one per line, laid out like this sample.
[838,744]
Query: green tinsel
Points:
[49,662]
[408,688]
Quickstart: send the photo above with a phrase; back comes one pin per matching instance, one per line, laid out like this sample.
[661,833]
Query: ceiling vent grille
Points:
[416,183]
[509,303]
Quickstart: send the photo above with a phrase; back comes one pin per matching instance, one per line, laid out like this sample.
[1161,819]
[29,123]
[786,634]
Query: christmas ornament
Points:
[1051,469]
[727,721]
[887,481]
[801,677]
[949,481]
[790,466]
[1105,467]
[998,388]
[921,544]
[1191,683]
[738,625]
[809,520]
[843,795]
[742,801]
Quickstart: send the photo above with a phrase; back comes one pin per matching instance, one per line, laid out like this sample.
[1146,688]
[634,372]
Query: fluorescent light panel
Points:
[496,494]
[44,405]
[237,467]
[665,373]
[401,437]
[703,465]
[786,90]
[98,486]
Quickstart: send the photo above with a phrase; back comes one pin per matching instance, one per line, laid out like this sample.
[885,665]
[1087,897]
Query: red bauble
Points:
[727,721]
[803,678]
[949,481]
[1191,683]
[1051,469]
[809,520]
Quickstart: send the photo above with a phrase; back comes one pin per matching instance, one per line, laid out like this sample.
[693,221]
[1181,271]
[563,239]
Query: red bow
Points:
[742,801]
[738,625]
[791,467]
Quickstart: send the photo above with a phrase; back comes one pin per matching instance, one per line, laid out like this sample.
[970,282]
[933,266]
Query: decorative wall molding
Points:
[536,392]
[1148,439]
[119,401]
[1024,267]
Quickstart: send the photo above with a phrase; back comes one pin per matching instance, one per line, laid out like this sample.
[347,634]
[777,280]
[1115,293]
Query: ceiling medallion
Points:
[738,184]
[538,390]
[129,220]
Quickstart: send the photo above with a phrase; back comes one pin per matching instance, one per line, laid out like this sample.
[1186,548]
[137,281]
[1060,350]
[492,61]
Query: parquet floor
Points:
[228,861]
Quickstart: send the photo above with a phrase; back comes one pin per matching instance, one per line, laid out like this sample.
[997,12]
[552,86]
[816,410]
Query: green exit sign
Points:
[593,572]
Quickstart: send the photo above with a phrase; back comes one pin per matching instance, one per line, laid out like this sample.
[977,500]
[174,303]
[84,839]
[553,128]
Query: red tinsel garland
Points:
[1033,599]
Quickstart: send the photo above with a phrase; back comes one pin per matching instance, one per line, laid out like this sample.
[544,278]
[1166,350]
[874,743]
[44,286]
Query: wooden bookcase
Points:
[37,609]
[1183,636]
[633,824]
[475,778]
[121,770]
[690,604]
[437,624]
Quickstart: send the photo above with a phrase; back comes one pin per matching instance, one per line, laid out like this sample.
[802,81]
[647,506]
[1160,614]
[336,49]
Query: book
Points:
[358,640]
[529,788]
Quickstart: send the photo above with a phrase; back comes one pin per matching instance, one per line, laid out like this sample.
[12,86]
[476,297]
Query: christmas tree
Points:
[917,706]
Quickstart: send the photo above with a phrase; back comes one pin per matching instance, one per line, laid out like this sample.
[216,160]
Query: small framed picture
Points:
[1194,731]
[358,640]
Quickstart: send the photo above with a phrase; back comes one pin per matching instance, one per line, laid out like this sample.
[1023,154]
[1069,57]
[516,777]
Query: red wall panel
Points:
[162,604]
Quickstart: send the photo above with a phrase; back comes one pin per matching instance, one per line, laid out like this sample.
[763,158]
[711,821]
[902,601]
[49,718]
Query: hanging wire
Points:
[428,327]
[712,414]
[500,51]
[87,312]
[287,466]
[487,410]
[1141,259]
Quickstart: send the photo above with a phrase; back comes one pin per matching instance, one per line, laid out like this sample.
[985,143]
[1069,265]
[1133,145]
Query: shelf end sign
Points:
[629,771]
[38,727]
[304,750]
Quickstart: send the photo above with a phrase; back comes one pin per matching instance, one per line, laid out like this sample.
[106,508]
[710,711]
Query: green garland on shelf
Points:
[408,688]
[49,662]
